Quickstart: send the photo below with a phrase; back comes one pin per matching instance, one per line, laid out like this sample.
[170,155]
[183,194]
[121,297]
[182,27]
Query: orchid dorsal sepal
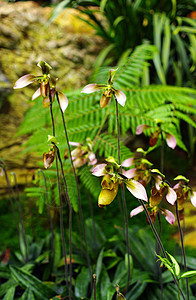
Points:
[146,162]
[44,66]
[156,171]
[112,74]
[181,177]
[113,162]
[52,140]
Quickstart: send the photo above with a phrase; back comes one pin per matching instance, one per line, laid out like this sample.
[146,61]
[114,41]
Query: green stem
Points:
[182,246]
[123,195]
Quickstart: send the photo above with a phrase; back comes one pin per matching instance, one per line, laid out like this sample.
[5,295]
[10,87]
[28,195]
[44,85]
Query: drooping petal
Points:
[141,128]
[36,94]
[120,97]
[193,198]
[63,101]
[136,211]
[136,189]
[99,170]
[91,88]
[24,81]
[171,196]
[169,216]
[127,162]
[171,140]
[91,156]
[130,173]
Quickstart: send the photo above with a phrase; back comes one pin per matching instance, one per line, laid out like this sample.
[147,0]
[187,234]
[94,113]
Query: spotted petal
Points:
[99,170]
[168,216]
[136,189]
[171,196]
[91,88]
[171,140]
[24,81]
[120,97]
[63,101]
[136,211]
[193,198]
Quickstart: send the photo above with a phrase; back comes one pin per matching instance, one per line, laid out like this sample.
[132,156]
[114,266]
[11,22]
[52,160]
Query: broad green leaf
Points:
[37,286]
[82,282]
[10,294]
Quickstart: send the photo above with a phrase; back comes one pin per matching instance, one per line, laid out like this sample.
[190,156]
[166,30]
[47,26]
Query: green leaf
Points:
[28,295]
[82,282]
[7,285]
[99,264]
[37,286]
[188,274]
[10,294]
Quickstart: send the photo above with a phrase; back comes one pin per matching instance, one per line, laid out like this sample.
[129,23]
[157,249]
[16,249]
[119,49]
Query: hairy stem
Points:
[78,191]
[123,195]
[182,246]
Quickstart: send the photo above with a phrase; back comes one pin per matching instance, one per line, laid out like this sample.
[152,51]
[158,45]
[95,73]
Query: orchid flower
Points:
[48,158]
[83,154]
[170,139]
[108,92]
[47,85]
[169,216]
[111,180]
[184,193]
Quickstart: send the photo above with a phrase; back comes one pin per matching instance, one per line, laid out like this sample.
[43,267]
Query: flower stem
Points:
[123,194]
[159,242]
[182,245]
[49,213]
[78,191]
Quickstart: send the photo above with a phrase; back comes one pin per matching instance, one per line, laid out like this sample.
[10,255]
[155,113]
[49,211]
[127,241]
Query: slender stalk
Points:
[123,195]
[78,192]
[62,228]
[70,219]
[158,250]
[49,213]
[182,246]
[21,217]
[159,242]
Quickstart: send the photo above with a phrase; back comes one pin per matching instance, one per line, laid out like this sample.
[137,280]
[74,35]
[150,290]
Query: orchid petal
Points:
[141,128]
[91,156]
[171,140]
[136,189]
[99,170]
[130,173]
[193,198]
[63,101]
[74,144]
[93,162]
[24,81]
[169,216]
[127,162]
[120,97]
[93,87]
[36,94]
[171,196]
[158,181]
[136,211]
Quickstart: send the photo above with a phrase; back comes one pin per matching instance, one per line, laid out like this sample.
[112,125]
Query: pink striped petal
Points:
[168,216]
[127,162]
[136,189]
[141,128]
[171,196]
[36,94]
[99,170]
[171,140]
[63,101]
[136,211]
[24,81]
[120,97]
[93,87]
[130,173]
[193,198]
